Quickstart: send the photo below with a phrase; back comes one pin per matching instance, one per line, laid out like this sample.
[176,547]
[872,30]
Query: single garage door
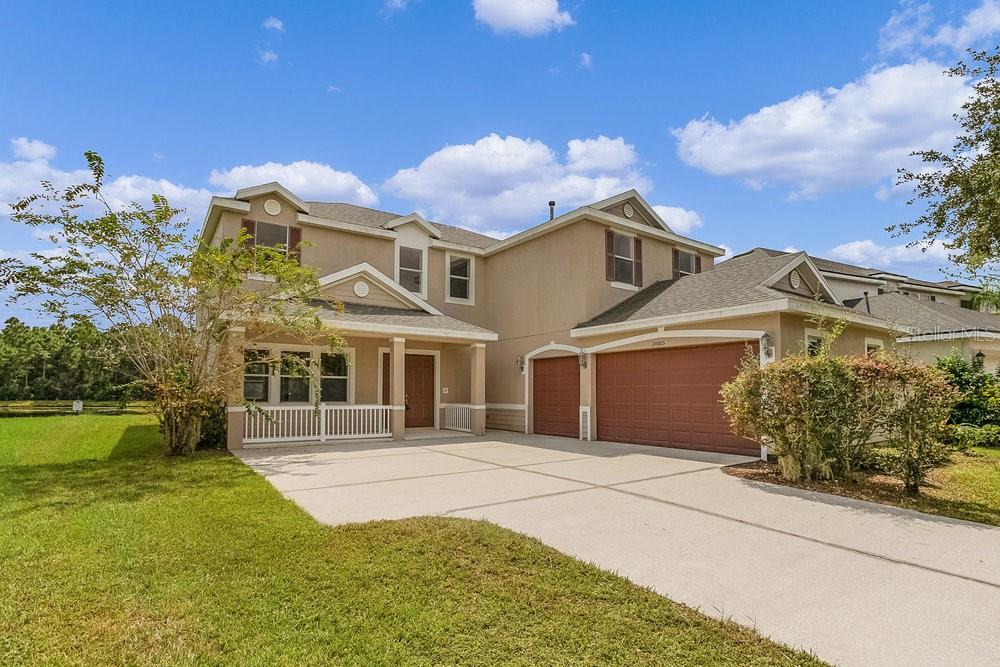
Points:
[669,397]
[556,392]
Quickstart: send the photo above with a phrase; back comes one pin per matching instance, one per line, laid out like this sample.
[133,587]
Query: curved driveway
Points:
[854,582]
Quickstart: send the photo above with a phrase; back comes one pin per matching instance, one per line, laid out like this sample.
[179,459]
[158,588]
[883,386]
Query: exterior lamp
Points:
[765,344]
[520,364]
[978,359]
[582,358]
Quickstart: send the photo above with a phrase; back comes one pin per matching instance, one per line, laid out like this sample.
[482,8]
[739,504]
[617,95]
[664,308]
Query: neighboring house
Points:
[599,323]
[937,317]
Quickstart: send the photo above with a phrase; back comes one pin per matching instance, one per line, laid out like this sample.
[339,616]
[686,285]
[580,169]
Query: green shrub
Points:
[980,391]
[821,414]
[213,428]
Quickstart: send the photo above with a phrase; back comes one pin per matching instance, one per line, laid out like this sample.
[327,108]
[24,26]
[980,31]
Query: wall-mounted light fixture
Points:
[582,358]
[978,359]
[520,364]
[766,345]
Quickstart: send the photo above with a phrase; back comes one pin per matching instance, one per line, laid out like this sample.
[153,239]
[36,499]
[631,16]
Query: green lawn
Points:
[111,553]
[967,488]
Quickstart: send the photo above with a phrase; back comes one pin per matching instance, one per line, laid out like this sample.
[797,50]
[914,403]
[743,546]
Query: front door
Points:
[419,385]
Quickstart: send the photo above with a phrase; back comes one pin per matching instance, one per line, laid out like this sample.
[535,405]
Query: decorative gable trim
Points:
[416,219]
[647,210]
[799,260]
[273,187]
[384,281]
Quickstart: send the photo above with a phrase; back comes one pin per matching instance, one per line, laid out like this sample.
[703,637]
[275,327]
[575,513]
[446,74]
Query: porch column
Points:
[235,412]
[397,384]
[588,391]
[477,394]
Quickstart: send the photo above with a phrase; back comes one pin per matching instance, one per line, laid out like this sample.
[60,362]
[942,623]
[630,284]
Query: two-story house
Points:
[601,323]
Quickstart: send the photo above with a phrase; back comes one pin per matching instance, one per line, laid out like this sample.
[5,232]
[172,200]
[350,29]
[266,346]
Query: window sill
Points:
[459,302]
[625,286]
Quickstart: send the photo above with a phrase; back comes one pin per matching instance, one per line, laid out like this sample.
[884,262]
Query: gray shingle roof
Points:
[925,316]
[370,217]
[729,284]
[356,312]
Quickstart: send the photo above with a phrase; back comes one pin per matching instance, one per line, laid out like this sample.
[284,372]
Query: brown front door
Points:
[669,397]
[556,391]
[419,390]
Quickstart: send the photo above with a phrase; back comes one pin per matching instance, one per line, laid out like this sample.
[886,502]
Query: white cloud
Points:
[978,24]
[505,182]
[310,180]
[832,139]
[681,220]
[586,60]
[600,154]
[266,56]
[23,177]
[790,248]
[333,89]
[554,71]
[923,254]
[273,23]
[525,17]
[32,149]
[393,6]
[911,28]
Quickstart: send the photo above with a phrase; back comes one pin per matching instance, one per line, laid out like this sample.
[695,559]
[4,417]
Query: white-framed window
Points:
[813,341]
[333,378]
[411,269]
[686,263]
[874,346]
[270,235]
[295,384]
[256,375]
[624,253]
[460,285]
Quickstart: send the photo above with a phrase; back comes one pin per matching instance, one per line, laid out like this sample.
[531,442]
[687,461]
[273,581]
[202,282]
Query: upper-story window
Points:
[459,286]
[280,238]
[687,263]
[623,260]
[411,269]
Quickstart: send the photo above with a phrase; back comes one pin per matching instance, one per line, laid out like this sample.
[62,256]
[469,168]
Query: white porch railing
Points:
[458,417]
[281,423]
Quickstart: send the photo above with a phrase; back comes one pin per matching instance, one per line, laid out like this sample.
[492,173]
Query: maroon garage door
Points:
[669,397]
[556,392]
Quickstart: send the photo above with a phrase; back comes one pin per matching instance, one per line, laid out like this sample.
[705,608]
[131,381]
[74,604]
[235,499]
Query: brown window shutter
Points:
[294,240]
[637,271]
[697,263]
[609,255]
[677,263]
[250,229]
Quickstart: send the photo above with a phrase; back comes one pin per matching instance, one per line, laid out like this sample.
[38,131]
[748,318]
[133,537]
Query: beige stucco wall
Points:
[928,351]
[851,341]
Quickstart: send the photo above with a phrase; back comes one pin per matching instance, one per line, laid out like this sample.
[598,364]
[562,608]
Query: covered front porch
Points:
[396,387]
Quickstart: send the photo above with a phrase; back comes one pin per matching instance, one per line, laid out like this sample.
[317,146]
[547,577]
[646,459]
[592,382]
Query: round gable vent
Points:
[628,210]
[272,207]
[795,279]
[361,288]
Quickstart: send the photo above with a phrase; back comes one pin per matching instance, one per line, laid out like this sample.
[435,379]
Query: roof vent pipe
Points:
[552,208]
[868,305]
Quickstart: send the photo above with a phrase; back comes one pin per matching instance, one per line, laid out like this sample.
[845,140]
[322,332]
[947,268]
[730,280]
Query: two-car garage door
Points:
[666,396]
[669,397]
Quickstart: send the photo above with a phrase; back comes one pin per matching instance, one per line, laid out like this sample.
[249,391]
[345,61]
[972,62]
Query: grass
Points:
[112,553]
[967,488]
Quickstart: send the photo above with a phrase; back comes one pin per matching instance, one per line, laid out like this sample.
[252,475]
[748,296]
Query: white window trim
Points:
[874,342]
[812,334]
[448,298]
[616,256]
[288,231]
[423,269]
[274,391]
[268,375]
[694,262]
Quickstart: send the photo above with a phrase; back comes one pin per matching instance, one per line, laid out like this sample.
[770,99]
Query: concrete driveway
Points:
[854,582]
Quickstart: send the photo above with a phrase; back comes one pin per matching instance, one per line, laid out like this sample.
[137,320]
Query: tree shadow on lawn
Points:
[136,469]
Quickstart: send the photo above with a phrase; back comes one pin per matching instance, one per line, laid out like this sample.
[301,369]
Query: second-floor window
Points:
[272,236]
[686,263]
[624,259]
[411,269]
[459,284]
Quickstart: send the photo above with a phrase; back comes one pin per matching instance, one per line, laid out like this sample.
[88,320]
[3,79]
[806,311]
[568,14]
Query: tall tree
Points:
[961,188]
[174,306]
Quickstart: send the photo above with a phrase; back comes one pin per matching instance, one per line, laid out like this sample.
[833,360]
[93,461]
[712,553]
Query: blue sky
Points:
[765,123]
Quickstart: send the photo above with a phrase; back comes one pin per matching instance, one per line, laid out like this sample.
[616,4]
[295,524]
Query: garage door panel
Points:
[556,396]
[672,397]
